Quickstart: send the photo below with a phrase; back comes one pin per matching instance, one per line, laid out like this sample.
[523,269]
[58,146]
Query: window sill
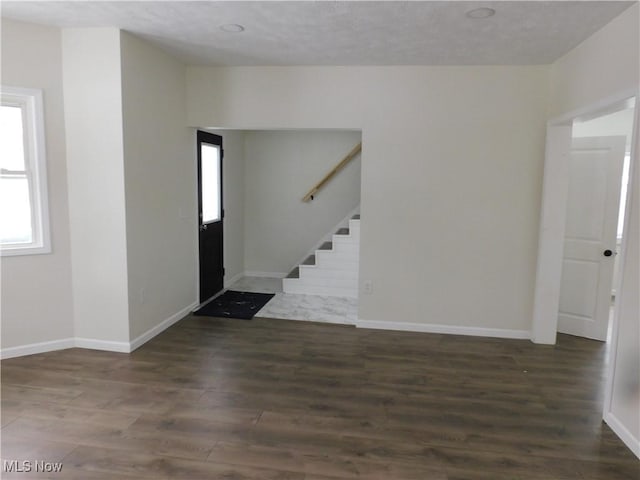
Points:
[22,251]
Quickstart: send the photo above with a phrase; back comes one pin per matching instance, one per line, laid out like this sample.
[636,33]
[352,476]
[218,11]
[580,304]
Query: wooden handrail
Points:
[350,156]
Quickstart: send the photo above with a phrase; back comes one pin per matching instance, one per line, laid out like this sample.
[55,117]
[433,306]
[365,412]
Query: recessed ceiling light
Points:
[232,28]
[483,12]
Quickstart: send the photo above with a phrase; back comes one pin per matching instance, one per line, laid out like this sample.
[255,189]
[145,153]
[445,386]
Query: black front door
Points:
[210,214]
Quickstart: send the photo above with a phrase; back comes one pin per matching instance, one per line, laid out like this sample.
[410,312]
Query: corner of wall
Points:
[93,116]
[577,78]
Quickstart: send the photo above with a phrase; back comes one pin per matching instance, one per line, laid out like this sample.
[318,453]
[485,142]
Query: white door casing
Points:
[595,173]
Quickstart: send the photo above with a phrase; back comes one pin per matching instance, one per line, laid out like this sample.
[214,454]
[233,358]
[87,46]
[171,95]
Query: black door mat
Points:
[232,304]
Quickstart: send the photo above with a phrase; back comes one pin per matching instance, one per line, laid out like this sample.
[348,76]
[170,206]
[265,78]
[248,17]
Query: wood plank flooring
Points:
[283,400]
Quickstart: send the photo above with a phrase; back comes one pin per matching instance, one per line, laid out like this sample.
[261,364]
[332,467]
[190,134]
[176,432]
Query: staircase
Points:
[333,269]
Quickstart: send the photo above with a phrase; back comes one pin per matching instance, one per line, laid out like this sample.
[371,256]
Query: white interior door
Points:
[595,175]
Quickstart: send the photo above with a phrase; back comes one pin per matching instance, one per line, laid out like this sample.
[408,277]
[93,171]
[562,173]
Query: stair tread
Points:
[310,260]
[356,217]
[326,246]
[343,231]
[295,273]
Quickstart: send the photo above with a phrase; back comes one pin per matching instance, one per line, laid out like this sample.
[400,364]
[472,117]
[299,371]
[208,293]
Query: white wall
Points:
[93,121]
[605,65]
[281,167]
[112,82]
[451,175]
[160,186]
[36,289]
[233,192]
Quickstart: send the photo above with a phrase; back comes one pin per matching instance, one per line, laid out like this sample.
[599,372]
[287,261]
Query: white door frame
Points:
[553,215]
[551,240]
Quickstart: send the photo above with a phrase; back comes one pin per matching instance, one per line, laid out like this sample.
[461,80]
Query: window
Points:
[210,161]
[24,219]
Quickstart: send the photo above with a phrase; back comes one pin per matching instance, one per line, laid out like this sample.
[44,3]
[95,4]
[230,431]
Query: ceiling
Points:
[340,32]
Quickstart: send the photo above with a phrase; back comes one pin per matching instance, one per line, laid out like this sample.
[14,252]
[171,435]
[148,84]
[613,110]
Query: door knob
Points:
[607,253]
[203,227]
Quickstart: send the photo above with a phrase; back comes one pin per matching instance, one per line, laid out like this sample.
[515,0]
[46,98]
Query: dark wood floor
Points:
[271,399]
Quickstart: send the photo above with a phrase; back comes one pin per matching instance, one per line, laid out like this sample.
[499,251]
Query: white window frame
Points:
[30,100]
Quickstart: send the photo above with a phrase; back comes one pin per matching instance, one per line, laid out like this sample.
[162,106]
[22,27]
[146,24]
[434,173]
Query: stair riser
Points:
[345,242]
[318,290]
[343,249]
[336,259]
[328,273]
[326,283]
[339,270]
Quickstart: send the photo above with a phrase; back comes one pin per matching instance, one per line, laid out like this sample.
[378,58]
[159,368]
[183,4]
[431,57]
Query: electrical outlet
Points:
[367,287]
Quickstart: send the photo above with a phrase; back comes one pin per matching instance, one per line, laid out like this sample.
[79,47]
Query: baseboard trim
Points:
[252,273]
[445,329]
[106,345]
[33,348]
[234,279]
[161,327]
[94,344]
[621,431]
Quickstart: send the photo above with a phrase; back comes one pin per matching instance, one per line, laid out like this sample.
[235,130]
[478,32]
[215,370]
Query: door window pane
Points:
[210,155]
